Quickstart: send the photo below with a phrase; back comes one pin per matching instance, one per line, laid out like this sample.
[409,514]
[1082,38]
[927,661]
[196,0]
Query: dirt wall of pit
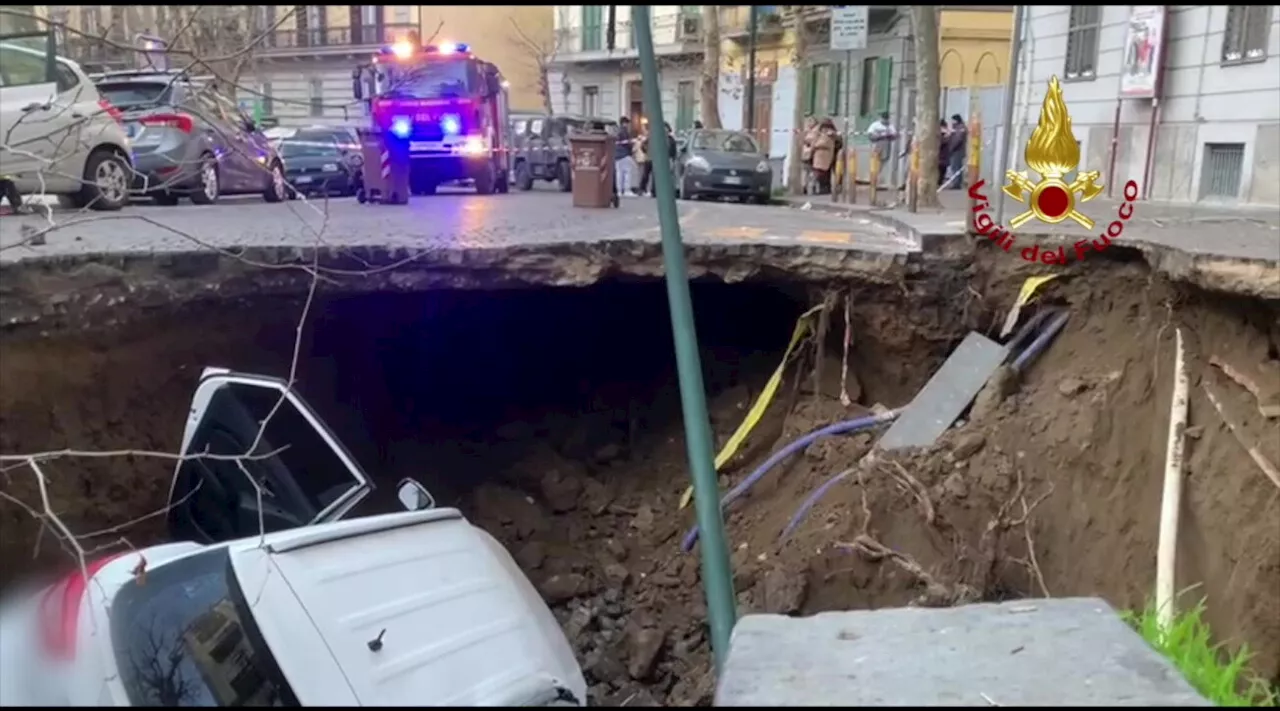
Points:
[553,421]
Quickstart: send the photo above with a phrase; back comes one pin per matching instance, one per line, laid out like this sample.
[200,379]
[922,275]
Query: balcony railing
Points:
[302,40]
[672,34]
[735,20]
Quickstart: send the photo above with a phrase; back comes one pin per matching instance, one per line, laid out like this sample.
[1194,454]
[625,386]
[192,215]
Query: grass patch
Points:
[1222,678]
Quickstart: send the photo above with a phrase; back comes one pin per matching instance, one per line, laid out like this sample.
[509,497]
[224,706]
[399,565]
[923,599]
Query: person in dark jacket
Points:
[958,145]
[623,164]
[944,151]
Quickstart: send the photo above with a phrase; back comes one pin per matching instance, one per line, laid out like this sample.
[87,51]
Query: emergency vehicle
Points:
[449,105]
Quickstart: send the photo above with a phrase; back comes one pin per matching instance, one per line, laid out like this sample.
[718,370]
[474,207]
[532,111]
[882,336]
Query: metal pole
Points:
[751,68]
[1006,121]
[717,577]
[850,153]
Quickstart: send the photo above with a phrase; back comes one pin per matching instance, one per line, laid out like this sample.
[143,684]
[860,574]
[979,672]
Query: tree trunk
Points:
[795,170]
[710,84]
[924,23]
[544,88]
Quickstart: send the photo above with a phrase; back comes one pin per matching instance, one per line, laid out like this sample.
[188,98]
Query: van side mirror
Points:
[492,83]
[414,496]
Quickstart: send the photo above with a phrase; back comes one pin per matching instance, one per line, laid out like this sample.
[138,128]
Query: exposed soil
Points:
[552,419]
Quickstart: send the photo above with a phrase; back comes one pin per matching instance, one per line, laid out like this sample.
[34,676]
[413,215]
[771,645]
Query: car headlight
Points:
[763,167]
[698,164]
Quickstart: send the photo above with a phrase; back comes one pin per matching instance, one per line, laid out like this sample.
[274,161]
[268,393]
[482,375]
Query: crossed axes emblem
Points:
[1021,188]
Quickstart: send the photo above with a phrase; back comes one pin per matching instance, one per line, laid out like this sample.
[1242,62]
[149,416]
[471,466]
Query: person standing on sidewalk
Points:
[957,148]
[641,155]
[623,165]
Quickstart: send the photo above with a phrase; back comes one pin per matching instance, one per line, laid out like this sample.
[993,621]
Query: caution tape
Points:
[762,402]
[1028,291]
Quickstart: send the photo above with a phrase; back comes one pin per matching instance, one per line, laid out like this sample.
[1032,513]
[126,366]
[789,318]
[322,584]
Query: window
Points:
[127,95]
[91,17]
[535,127]
[268,103]
[177,638]
[867,91]
[316,95]
[20,66]
[65,78]
[685,103]
[1222,170]
[370,15]
[1245,38]
[590,101]
[819,87]
[402,15]
[592,27]
[1082,42]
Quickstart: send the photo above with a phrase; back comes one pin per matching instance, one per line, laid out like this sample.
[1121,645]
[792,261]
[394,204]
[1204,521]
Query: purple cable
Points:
[861,423]
[812,500]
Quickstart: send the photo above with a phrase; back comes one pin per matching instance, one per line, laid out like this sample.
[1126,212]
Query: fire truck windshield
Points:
[434,79]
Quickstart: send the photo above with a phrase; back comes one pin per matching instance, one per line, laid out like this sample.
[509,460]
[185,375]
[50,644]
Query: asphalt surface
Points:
[452,219]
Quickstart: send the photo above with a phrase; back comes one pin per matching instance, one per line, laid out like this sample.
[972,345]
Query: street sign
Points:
[848,27]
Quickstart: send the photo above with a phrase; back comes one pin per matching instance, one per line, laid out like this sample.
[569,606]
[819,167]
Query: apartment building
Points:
[1189,95]
[300,71]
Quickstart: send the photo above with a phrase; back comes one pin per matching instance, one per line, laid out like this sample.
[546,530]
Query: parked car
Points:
[395,609]
[191,141]
[720,163]
[542,151]
[322,161]
[60,136]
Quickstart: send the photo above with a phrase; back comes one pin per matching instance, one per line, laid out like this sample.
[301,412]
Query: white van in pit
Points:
[416,608]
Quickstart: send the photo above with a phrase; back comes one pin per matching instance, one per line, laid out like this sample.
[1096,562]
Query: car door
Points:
[249,154]
[238,477]
[28,115]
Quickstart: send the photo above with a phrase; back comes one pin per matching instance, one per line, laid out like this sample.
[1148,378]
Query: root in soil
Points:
[552,419]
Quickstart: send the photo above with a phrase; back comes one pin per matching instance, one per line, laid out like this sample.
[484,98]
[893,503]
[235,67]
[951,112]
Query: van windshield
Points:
[186,637]
[435,79]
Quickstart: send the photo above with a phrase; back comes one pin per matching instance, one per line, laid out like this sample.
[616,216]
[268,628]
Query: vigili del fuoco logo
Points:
[1053,153]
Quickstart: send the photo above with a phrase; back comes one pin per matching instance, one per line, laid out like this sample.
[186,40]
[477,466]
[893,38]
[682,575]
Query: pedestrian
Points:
[810,136]
[824,155]
[944,152]
[9,191]
[623,164]
[640,153]
[958,145]
[882,135]
[671,154]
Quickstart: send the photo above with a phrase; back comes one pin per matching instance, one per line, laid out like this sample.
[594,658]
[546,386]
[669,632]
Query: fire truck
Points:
[449,105]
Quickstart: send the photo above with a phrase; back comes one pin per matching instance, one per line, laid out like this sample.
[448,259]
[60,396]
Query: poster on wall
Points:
[1143,52]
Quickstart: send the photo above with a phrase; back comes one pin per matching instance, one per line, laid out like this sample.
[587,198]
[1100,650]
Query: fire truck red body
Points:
[449,106]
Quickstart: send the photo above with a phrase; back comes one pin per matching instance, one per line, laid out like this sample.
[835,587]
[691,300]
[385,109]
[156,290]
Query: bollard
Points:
[974,169]
[913,178]
[875,176]
[851,177]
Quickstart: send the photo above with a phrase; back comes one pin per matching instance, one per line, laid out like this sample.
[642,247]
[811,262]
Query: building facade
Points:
[1213,131]
[300,71]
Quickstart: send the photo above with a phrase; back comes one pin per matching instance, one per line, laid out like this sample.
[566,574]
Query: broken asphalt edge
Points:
[91,289]
[1254,277]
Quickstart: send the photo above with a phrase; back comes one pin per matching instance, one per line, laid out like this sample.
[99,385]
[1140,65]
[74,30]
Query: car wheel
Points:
[209,187]
[564,176]
[106,181]
[524,179]
[503,185]
[486,180]
[277,189]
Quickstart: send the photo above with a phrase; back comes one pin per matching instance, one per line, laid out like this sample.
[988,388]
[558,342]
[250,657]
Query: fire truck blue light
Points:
[450,125]
[402,126]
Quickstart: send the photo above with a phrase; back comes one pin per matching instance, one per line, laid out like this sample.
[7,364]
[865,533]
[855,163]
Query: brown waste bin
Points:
[393,188]
[591,158]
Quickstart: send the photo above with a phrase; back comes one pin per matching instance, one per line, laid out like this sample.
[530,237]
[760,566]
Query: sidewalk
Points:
[1251,233]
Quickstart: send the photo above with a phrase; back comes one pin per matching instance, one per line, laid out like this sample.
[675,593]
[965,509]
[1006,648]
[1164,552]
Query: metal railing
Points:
[736,19]
[304,38]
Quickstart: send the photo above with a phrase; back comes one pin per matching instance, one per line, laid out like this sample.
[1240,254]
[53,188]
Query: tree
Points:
[710,84]
[799,60]
[537,56]
[924,26]
[219,38]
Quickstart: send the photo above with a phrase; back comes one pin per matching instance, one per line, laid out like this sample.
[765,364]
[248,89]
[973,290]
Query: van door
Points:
[239,477]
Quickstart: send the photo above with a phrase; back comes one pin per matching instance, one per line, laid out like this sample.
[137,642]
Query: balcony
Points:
[673,35]
[735,22]
[327,41]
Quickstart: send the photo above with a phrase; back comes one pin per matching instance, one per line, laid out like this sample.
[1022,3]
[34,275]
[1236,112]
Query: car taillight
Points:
[60,609]
[111,111]
[182,122]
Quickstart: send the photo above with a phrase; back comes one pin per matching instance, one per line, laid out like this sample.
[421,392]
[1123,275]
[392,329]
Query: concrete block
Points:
[1065,652]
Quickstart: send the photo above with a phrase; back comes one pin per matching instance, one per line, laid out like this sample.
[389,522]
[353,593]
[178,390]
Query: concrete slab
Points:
[1064,652]
[946,395]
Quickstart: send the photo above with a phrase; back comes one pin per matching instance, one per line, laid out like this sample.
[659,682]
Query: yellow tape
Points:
[1029,288]
[762,402]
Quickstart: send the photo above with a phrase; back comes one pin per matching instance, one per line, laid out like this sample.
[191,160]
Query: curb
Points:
[930,242]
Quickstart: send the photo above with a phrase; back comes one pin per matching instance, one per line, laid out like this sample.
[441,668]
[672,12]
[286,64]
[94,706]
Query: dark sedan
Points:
[317,163]
[719,163]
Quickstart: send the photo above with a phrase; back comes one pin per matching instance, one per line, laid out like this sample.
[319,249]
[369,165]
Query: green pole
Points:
[717,578]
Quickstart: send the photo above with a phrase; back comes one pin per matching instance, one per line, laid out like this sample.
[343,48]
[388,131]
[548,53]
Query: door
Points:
[28,115]
[763,116]
[536,145]
[298,474]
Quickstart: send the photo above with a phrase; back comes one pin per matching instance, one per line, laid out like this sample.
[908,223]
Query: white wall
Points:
[1203,101]
[291,92]
[662,19]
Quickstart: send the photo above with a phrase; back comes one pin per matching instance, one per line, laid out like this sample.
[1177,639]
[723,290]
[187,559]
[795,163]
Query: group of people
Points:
[823,144]
[631,154]
[953,144]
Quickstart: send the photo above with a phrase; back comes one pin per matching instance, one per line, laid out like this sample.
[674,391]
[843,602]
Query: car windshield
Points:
[136,94]
[436,79]
[313,146]
[725,141]
[185,636]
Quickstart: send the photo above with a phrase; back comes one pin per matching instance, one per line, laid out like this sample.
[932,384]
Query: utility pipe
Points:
[717,577]
[1171,501]
[751,71]
[1115,148]
[1010,97]
[1150,159]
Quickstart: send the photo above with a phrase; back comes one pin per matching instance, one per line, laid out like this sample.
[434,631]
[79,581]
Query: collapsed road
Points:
[443,344]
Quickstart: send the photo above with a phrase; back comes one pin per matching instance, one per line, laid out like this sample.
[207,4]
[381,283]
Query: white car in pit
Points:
[415,608]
